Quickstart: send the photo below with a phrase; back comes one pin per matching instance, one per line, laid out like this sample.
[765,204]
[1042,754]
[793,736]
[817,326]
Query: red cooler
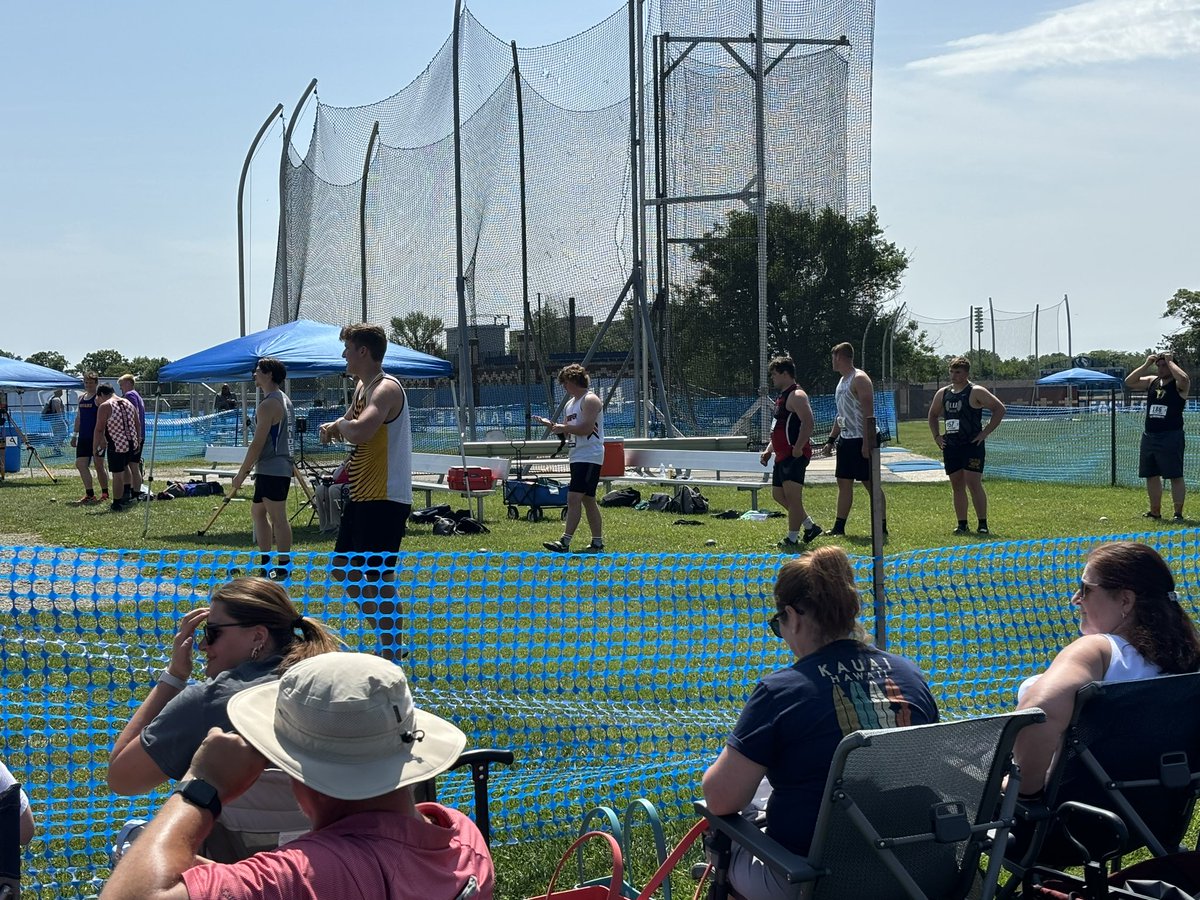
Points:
[614,458]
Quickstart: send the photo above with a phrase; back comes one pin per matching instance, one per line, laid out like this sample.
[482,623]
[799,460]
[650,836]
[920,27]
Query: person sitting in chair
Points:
[27,827]
[344,728]
[796,717]
[1133,627]
[250,633]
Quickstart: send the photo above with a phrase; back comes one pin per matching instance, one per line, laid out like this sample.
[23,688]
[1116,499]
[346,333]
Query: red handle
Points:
[618,877]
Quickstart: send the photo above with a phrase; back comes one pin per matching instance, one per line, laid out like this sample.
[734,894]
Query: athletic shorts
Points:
[134,455]
[851,464]
[83,447]
[584,478]
[790,469]
[1161,454]
[371,532]
[116,461]
[964,456]
[271,487]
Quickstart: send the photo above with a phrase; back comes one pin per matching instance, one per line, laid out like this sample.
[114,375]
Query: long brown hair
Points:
[821,585]
[1161,630]
[258,601]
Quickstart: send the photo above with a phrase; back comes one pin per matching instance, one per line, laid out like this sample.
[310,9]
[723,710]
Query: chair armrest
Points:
[794,868]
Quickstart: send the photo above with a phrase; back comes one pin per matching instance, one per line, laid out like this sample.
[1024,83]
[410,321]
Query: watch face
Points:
[200,793]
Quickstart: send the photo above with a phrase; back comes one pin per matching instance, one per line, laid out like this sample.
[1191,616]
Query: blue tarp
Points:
[308,349]
[16,375]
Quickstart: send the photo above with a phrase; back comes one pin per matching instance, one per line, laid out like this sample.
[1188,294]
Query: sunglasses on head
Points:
[213,631]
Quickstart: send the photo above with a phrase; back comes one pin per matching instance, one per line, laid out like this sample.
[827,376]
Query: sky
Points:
[1022,150]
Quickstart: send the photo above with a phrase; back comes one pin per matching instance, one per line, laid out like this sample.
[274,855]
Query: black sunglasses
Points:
[212,632]
[773,622]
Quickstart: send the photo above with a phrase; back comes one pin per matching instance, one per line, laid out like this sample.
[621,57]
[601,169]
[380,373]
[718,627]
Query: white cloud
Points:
[1099,31]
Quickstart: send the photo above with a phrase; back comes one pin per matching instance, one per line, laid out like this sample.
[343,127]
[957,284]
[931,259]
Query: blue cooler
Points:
[12,449]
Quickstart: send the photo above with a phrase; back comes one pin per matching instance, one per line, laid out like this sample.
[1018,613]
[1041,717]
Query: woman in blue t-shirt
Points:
[797,716]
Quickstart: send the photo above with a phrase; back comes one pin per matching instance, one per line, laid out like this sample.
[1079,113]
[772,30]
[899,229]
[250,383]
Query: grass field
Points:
[920,517]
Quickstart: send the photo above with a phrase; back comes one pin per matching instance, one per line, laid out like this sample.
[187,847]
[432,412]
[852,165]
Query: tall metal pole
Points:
[524,234]
[760,152]
[362,218]
[992,316]
[464,356]
[277,111]
[283,170]
[1070,350]
[639,287]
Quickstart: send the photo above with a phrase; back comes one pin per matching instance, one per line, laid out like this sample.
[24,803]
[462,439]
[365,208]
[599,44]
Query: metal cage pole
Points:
[241,231]
[1070,350]
[524,236]
[362,218]
[283,169]
[464,355]
[760,160]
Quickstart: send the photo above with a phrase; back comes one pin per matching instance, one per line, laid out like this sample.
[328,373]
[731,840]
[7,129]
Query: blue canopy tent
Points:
[19,376]
[1093,380]
[308,349]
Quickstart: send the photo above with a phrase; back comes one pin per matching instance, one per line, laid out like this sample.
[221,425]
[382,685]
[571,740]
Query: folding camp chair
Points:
[907,813]
[1132,748]
[10,843]
[480,762]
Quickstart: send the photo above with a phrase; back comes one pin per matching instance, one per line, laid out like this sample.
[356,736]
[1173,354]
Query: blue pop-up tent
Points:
[308,349]
[16,375]
[1096,381]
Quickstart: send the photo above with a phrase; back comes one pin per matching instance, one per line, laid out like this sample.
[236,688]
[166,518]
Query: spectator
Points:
[55,415]
[250,632]
[797,716]
[1133,627]
[379,496]
[225,400]
[28,826]
[81,440]
[344,728]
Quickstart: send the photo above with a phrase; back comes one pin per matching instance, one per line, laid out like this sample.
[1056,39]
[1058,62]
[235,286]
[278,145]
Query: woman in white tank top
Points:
[1132,627]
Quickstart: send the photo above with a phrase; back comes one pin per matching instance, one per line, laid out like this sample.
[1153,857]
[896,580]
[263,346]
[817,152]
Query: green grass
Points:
[920,516]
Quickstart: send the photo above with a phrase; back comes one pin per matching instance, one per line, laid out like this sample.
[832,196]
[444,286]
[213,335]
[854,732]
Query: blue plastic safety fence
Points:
[612,677]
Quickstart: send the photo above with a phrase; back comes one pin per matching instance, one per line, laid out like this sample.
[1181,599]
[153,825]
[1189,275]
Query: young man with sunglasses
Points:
[270,455]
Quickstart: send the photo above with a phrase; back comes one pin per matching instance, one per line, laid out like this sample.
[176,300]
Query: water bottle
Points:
[662,470]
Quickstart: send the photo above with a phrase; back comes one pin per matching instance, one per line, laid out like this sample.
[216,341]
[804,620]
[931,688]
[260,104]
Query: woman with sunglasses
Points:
[250,633]
[796,717]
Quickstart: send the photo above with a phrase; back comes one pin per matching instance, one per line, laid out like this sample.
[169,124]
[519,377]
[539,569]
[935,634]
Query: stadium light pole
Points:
[241,231]
[283,164]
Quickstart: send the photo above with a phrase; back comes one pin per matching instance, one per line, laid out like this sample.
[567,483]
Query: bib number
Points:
[952,426]
[1158,410]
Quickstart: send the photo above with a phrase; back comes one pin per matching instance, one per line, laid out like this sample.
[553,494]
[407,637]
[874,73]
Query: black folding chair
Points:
[906,815]
[1131,748]
[480,762]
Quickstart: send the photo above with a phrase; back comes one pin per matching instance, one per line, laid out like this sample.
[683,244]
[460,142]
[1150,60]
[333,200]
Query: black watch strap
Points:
[199,792]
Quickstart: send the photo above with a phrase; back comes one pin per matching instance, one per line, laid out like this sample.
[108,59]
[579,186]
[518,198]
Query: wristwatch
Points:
[199,792]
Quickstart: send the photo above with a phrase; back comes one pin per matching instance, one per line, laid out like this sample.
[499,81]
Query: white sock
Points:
[809,523]
[565,539]
[793,536]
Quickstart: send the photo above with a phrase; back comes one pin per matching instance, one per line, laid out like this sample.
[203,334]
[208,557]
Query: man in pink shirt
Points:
[344,727]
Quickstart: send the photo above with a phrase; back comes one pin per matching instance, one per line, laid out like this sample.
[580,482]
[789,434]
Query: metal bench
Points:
[437,466]
[676,467]
[215,454]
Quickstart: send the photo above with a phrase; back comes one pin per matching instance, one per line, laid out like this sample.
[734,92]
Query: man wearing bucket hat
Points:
[344,727]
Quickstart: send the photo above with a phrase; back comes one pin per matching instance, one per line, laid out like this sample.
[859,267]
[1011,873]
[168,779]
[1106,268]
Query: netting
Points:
[1027,334]
[611,677]
[575,123]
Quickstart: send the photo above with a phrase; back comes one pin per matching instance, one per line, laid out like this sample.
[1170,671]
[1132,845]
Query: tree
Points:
[827,278]
[104,362]
[419,331]
[8,355]
[146,367]
[51,359]
[1185,343]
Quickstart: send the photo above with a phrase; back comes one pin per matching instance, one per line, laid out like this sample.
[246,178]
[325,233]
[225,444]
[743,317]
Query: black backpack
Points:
[622,497]
[688,500]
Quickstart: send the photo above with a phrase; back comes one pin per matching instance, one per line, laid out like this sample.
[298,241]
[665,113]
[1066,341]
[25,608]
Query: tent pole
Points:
[150,477]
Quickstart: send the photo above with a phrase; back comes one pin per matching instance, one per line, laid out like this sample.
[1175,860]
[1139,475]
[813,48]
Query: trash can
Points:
[12,449]
[614,458]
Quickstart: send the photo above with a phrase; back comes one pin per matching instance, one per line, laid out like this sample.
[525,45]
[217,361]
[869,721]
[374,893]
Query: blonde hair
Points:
[821,585]
[845,350]
[259,601]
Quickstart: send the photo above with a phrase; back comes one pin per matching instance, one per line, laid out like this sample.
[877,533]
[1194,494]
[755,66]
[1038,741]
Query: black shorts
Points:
[851,464]
[964,456]
[135,455]
[116,461]
[371,531]
[271,487]
[584,478]
[83,447]
[1161,454]
[790,469]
